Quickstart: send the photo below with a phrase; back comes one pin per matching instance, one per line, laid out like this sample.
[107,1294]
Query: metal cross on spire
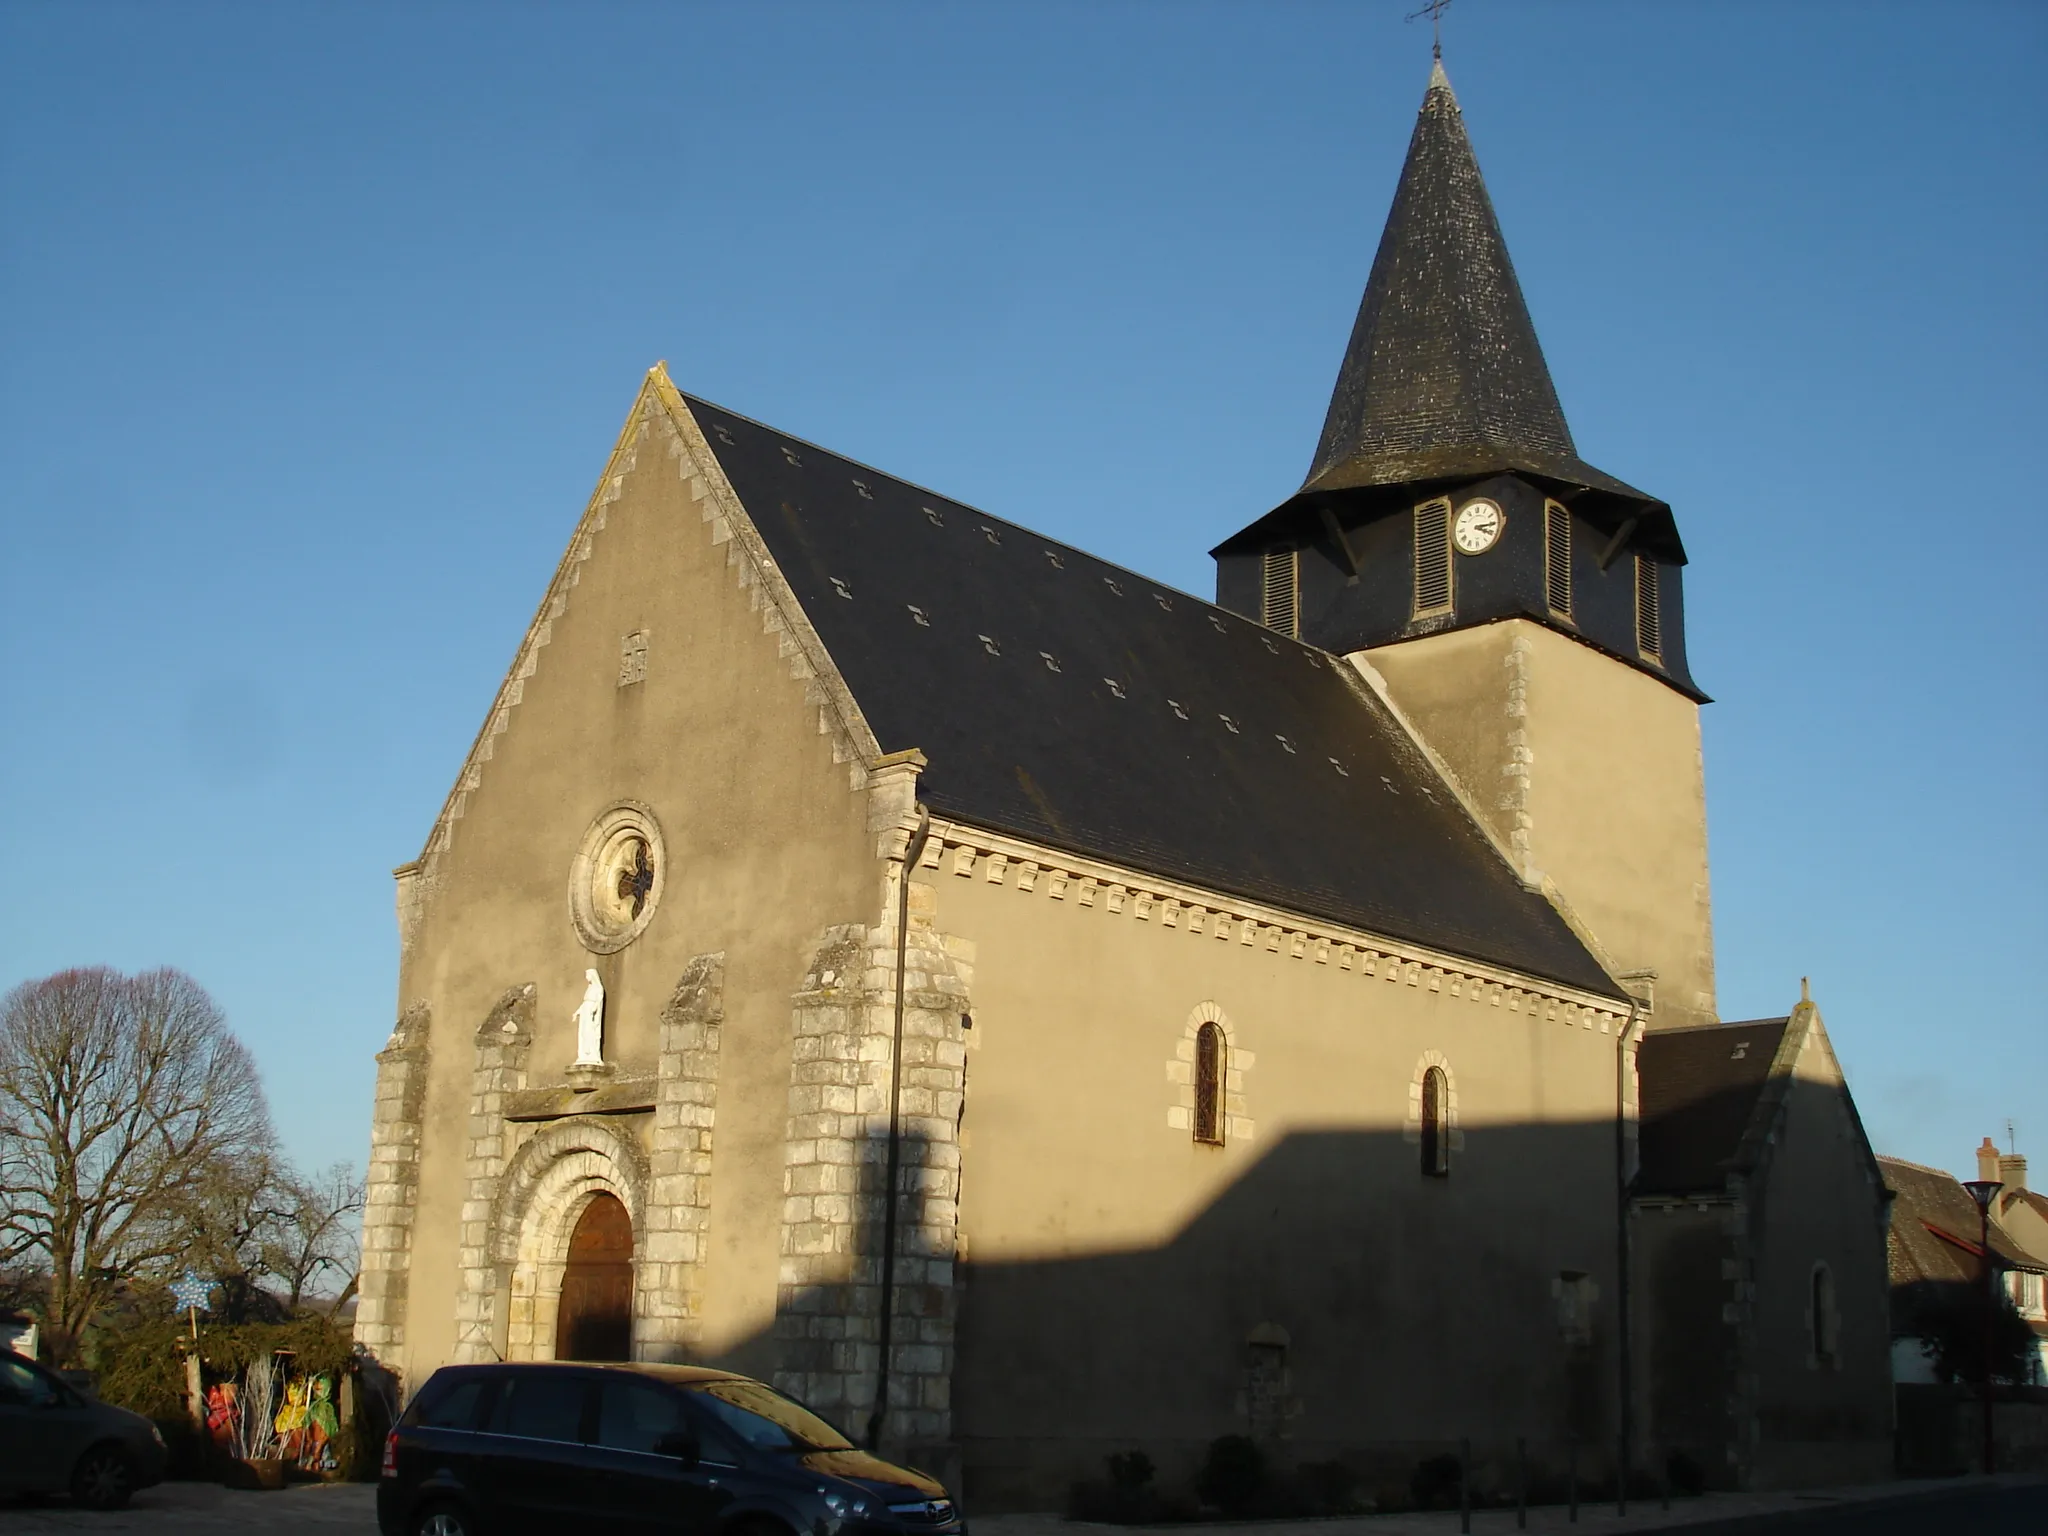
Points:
[1434,10]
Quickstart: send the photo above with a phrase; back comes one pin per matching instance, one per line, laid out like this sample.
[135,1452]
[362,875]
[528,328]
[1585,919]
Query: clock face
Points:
[1478,526]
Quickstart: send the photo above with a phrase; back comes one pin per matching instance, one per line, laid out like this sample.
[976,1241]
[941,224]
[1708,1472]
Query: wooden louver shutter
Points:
[1433,556]
[1649,636]
[1557,558]
[1280,591]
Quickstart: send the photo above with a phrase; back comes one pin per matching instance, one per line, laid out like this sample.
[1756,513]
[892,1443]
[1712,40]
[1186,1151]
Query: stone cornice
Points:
[960,849]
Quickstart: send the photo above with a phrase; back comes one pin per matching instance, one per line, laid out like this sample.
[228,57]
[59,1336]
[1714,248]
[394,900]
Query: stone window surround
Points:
[1411,1130]
[620,819]
[1237,1125]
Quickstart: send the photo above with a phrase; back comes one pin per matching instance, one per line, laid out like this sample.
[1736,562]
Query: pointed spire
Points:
[1444,378]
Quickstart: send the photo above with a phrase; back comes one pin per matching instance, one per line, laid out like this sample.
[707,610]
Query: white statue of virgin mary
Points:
[590,1023]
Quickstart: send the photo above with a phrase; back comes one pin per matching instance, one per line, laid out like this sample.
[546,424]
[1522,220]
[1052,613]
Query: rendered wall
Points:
[1590,773]
[1118,1278]
[767,844]
[1820,1201]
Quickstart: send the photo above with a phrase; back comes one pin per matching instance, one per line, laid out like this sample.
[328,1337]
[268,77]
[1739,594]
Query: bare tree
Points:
[317,1236]
[120,1097]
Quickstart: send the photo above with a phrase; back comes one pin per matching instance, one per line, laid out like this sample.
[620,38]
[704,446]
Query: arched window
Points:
[1436,1133]
[1824,1320]
[1209,1068]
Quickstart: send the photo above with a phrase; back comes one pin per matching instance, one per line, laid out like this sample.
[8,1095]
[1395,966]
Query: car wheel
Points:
[442,1520]
[101,1480]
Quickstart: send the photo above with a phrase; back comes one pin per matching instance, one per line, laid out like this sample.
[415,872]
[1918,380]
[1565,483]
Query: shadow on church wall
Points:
[1338,1306]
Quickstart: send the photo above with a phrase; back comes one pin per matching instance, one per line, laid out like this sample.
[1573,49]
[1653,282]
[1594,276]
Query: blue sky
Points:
[317,322]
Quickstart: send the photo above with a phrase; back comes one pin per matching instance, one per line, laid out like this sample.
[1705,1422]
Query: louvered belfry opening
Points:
[1433,556]
[1557,558]
[1209,1068]
[1280,590]
[1649,630]
[594,1320]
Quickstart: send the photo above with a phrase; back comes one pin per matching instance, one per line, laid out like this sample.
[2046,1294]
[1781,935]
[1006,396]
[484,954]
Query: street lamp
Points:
[1984,1191]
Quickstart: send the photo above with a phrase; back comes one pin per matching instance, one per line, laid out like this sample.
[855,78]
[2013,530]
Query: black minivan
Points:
[522,1450]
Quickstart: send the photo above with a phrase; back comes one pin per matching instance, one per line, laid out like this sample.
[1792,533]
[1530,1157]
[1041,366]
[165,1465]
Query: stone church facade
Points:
[1030,1013]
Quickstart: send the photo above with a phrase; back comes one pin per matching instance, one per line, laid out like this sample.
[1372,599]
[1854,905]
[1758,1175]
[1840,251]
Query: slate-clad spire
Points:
[1444,378]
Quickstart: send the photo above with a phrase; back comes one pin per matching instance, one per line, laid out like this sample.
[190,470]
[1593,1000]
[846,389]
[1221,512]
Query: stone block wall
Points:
[391,1189]
[669,1306]
[829,1298]
[502,1043]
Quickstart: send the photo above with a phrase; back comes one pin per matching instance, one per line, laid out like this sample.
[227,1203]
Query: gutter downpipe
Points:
[912,851]
[1624,1354]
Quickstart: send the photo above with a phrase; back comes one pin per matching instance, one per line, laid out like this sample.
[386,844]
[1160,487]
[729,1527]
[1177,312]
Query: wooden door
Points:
[595,1320]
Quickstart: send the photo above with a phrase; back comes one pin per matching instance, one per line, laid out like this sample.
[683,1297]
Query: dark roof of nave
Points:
[1443,378]
[1699,1090]
[1085,707]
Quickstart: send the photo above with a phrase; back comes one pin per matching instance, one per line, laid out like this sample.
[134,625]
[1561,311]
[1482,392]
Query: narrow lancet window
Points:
[1824,1316]
[1280,591]
[1209,1070]
[1436,1139]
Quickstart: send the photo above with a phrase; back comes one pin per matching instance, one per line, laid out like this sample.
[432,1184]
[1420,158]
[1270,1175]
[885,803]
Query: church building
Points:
[1031,1013]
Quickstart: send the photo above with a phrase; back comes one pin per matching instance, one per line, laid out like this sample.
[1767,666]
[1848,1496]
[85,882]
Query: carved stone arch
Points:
[1237,1062]
[543,1192]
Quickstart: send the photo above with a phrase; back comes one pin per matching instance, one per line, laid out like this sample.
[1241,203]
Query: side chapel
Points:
[1030,1012]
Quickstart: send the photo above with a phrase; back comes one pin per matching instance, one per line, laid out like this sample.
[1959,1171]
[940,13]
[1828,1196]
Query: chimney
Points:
[1987,1160]
[2012,1168]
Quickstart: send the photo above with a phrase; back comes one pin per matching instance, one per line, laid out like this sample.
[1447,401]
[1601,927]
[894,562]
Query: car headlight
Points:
[155,1434]
[847,1506]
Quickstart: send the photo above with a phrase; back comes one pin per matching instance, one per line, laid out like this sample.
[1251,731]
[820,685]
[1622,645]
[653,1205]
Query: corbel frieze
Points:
[1051,874]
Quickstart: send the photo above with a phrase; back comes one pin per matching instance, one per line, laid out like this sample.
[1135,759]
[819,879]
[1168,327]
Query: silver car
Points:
[54,1439]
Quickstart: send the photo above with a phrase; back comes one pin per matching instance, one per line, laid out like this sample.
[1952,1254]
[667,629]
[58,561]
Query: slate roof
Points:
[1698,1090]
[1080,705]
[1444,378]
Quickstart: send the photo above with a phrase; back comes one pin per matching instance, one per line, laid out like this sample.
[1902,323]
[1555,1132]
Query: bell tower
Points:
[1524,611]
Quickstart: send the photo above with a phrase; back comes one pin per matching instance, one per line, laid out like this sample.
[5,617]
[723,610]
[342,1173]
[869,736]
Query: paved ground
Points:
[1998,1505]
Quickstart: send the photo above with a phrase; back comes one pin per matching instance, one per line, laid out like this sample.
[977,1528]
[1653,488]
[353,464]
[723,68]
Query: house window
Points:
[1436,1140]
[1280,591]
[1557,558]
[2029,1293]
[1209,1068]
[1649,628]
[1433,557]
[1822,1318]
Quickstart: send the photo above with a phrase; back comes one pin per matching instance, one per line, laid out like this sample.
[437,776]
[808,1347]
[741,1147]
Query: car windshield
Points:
[765,1419]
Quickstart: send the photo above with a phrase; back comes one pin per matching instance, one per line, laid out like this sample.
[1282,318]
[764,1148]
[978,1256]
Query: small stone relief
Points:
[616,880]
[633,658]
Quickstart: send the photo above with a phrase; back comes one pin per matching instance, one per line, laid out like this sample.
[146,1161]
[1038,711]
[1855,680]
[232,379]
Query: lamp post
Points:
[1984,1191]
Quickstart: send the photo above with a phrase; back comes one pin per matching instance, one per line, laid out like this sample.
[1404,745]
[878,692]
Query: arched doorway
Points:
[595,1318]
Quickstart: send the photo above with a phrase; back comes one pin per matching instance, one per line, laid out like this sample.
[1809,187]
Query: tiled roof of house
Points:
[1935,1227]
[1085,707]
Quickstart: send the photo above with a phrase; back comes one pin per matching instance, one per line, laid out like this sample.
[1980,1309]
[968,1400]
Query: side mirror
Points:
[680,1444]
